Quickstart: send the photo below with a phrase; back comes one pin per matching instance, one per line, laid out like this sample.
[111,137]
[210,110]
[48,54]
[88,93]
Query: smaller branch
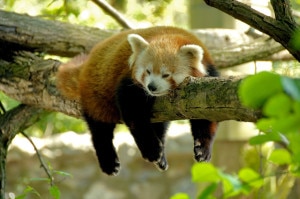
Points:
[244,13]
[281,29]
[43,165]
[282,11]
[256,50]
[113,13]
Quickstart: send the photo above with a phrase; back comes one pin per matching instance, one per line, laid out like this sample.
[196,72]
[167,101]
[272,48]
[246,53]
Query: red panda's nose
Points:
[152,87]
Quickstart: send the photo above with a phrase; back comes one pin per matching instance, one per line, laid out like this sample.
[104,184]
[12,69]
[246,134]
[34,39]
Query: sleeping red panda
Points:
[121,78]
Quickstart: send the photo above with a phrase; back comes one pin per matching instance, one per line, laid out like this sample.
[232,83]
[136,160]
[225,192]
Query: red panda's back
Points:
[108,63]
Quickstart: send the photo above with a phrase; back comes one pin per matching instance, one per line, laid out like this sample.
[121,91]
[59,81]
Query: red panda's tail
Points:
[68,75]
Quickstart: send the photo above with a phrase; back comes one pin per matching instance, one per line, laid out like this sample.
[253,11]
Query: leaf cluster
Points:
[279,99]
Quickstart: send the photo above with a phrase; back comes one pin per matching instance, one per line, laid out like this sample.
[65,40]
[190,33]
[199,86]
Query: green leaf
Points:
[266,124]
[205,172]
[288,124]
[251,177]
[180,196]
[28,190]
[268,137]
[280,156]
[22,196]
[208,191]
[296,107]
[62,173]
[291,86]
[256,89]
[54,191]
[278,105]
[231,185]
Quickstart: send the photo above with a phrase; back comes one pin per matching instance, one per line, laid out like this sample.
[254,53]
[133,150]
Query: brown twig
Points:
[113,13]
[43,165]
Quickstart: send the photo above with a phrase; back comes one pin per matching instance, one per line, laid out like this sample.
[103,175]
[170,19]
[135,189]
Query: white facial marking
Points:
[156,85]
[138,74]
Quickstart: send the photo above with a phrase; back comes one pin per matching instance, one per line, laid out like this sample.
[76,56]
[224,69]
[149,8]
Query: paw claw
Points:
[201,153]
[113,169]
[162,164]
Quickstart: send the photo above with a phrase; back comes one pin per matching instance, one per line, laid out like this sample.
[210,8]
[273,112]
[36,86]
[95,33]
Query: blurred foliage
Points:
[53,190]
[140,13]
[272,168]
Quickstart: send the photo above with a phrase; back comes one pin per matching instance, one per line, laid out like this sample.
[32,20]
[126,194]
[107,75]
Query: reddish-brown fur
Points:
[107,65]
[67,77]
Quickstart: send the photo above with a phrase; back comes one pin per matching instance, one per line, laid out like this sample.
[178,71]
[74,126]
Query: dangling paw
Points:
[202,152]
[110,166]
[162,164]
[152,151]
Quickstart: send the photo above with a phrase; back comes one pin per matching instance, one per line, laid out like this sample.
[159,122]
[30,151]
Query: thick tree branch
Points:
[281,29]
[34,83]
[258,50]
[210,98]
[19,32]
[214,99]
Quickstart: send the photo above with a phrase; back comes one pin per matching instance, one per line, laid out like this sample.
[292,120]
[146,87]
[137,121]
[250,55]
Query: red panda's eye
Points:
[165,75]
[148,72]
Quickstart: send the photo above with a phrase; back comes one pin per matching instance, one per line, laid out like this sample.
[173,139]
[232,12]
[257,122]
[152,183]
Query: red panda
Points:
[119,80]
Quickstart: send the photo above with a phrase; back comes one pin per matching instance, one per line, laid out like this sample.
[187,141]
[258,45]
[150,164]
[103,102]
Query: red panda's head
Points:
[162,64]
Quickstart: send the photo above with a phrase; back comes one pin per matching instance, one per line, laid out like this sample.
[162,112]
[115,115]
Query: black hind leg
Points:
[203,132]
[102,137]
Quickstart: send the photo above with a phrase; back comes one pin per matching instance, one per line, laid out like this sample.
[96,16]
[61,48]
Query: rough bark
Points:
[210,98]
[22,32]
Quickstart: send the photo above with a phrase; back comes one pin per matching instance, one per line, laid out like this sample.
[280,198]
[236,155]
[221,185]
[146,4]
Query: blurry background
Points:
[65,144]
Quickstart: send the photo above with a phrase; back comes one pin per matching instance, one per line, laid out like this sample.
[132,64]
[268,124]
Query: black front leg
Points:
[135,106]
[160,129]
[102,137]
[203,132]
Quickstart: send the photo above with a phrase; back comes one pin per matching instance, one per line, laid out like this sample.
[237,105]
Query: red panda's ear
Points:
[192,51]
[137,44]
[193,54]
